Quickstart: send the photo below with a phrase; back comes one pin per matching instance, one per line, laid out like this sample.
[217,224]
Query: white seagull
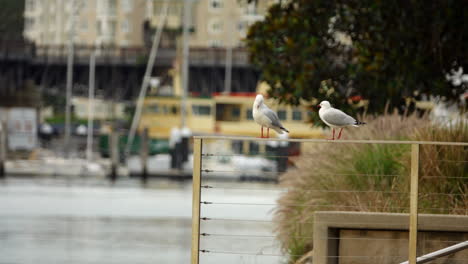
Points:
[266,117]
[335,118]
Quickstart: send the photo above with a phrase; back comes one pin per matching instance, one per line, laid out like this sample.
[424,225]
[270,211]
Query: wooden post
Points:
[114,154]
[196,183]
[3,142]
[144,150]
[413,227]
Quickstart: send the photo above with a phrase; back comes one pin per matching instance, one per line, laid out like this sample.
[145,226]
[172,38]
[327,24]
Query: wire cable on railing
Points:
[285,189]
[325,191]
[286,255]
[304,205]
[446,177]
[330,206]
[211,187]
[319,174]
[246,253]
[327,141]
[457,161]
[386,224]
[329,256]
[274,173]
[325,238]
[259,155]
[272,155]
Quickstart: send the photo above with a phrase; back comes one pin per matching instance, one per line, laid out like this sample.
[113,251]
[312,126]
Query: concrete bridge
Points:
[119,71]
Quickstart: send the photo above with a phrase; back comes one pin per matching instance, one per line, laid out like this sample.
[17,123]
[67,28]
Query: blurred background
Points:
[99,100]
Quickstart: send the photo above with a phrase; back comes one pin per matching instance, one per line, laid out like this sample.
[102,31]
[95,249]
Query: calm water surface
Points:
[56,220]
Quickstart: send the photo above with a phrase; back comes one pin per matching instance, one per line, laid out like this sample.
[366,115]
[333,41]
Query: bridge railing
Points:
[209,243]
[199,56]
[129,55]
[217,56]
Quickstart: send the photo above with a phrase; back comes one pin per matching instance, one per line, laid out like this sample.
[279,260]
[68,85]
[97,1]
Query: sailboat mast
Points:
[89,140]
[185,60]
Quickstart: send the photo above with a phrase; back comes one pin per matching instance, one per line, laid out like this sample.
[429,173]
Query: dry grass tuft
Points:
[377,175]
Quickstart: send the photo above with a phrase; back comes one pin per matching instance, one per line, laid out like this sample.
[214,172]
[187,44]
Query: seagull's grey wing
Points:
[272,116]
[336,117]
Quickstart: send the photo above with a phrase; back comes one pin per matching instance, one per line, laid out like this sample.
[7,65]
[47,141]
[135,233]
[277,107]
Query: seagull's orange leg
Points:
[339,135]
[262,133]
[268,132]
[333,138]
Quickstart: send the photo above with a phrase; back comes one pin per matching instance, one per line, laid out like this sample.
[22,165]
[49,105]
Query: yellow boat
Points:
[221,114]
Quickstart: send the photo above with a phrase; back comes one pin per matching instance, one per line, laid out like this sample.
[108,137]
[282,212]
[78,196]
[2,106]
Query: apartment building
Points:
[93,22]
[215,23]
[222,23]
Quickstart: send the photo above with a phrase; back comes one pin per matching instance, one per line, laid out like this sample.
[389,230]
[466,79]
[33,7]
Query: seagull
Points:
[335,118]
[266,117]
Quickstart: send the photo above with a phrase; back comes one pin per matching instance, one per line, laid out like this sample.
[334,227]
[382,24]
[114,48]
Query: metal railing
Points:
[414,196]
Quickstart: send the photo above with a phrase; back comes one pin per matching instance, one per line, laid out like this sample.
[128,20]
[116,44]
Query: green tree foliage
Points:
[380,50]
[11,19]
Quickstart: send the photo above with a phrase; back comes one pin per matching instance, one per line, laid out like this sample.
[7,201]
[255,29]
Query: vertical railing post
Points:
[144,153]
[114,154]
[196,183]
[3,148]
[413,226]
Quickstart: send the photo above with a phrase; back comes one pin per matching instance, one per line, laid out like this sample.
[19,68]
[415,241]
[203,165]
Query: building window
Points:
[237,146]
[215,43]
[127,5]
[99,27]
[282,114]
[216,4]
[107,7]
[29,6]
[125,26]
[297,115]
[175,9]
[28,23]
[215,26]
[241,26]
[124,42]
[251,9]
[84,25]
[69,6]
[80,4]
[201,110]
[112,7]
[249,115]
[254,148]
[112,28]
[174,110]
[235,112]
[151,109]
[68,25]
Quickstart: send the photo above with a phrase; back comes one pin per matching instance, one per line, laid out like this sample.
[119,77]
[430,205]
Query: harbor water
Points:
[89,220]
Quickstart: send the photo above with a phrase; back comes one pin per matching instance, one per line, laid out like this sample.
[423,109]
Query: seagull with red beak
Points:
[336,118]
[266,117]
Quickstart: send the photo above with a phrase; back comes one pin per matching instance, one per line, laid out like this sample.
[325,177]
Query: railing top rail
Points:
[359,141]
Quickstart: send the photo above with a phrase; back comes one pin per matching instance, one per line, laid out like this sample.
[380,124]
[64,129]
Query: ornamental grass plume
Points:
[372,177]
